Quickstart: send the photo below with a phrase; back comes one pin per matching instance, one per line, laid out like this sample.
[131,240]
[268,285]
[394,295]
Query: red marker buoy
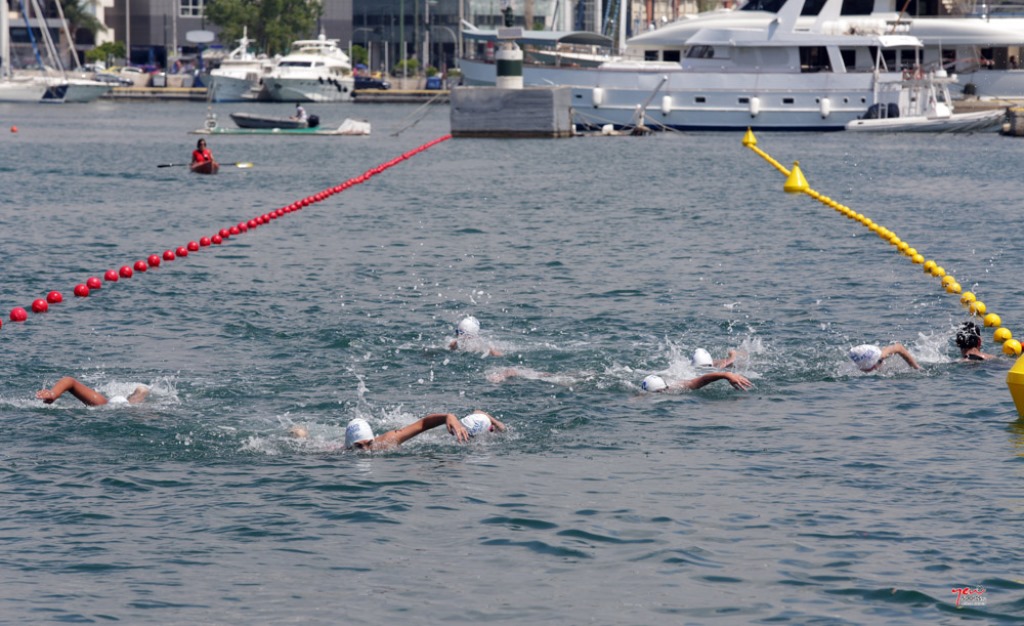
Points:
[126,272]
[110,276]
[181,251]
[95,283]
[140,266]
[18,314]
[14,129]
[168,255]
[233,231]
[54,297]
[254,223]
[224,233]
[40,306]
[204,241]
[217,239]
[192,246]
[153,260]
[81,291]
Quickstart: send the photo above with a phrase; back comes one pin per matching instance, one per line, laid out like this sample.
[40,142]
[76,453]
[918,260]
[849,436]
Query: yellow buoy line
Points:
[796,183]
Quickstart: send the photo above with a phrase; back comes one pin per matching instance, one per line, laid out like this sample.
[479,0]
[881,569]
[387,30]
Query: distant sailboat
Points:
[14,89]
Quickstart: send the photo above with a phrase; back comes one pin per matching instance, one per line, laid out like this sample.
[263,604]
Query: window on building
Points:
[191,8]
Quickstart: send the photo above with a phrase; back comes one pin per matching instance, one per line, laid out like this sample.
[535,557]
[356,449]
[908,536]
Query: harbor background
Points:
[821,496]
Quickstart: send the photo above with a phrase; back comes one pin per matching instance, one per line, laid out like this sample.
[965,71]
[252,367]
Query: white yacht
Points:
[316,70]
[785,74]
[14,89]
[240,75]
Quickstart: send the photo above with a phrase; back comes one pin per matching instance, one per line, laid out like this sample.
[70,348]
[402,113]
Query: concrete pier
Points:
[511,113]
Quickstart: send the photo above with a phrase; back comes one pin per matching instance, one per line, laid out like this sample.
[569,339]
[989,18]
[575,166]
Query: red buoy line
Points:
[93,283]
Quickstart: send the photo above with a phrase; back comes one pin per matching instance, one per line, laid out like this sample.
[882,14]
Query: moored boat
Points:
[250,120]
[316,70]
[240,75]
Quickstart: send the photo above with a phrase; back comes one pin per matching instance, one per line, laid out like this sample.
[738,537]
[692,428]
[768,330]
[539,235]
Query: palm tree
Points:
[80,17]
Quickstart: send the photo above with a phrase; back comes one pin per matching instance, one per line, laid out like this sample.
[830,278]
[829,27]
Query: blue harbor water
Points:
[820,496]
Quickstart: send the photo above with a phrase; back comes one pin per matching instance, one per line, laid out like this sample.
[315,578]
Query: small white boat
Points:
[316,70]
[920,102]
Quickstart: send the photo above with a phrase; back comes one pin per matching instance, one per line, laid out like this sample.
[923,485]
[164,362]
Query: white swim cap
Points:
[653,383]
[357,430]
[476,424]
[117,400]
[702,358]
[865,356]
[468,326]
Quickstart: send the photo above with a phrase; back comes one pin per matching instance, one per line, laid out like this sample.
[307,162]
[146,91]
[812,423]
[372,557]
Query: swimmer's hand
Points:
[456,428]
[739,382]
[46,396]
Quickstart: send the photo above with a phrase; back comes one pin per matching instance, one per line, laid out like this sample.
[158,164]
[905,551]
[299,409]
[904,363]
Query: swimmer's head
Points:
[358,434]
[298,432]
[653,383]
[969,336]
[866,357]
[468,327]
[702,358]
[477,424]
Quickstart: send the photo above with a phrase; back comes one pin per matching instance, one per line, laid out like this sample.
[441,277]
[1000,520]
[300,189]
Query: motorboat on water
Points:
[316,70]
[240,75]
[787,75]
[921,102]
[251,120]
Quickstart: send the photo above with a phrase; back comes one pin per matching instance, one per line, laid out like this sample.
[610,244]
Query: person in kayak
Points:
[202,154]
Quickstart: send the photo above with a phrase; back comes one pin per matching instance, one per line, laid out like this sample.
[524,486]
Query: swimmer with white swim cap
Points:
[359,435]
[467,332]
[87,395]
[869,357]
[702,358]
[655,383]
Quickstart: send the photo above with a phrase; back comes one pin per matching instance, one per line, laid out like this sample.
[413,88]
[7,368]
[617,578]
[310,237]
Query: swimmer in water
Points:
[968,339]
[359,435]
[467,337]
[702,358]
[656,383]
[869,357]
[89,396]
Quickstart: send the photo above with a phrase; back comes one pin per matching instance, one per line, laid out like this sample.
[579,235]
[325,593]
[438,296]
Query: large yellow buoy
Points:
[1015,381]
[993,320]
[795,183]
[1001,335]
[1011,347]
[977,308]
[967,298]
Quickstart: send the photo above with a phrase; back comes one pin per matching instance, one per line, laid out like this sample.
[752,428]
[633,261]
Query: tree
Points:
[106,52]
[80,17]
[273,24]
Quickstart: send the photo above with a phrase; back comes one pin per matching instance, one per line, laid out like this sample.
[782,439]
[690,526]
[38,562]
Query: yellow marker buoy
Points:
[953,288]
[947,280]
[795,183]
[938,272]
[993,320]
[929,266]
[976,308]
[910,251]
[1015,381]
[749,139]
[917,258]
[967,298]
[1011,347]
[902,246]
[1001,335]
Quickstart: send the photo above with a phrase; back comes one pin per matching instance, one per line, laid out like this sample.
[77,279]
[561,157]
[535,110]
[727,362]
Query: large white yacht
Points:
[240,75]
[784,74]
[316,70]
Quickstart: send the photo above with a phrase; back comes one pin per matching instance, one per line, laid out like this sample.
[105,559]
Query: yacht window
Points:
[700,99]
[650,55]
[787,101]
[814,59]
[671,56]
[849,58]
[744,100]
[700,52]
[294,64]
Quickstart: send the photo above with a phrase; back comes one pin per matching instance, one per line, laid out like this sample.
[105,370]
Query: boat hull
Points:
[248,120]
[698,100]
[206,167]
[980,121]
[308,89]
[232,89]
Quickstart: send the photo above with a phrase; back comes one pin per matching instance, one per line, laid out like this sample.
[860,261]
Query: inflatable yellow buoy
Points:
[967,298]
[796,183]
[1011,347]
[903,245]
[977,308]
[929,266]
[993,320]
[938,272]
[1001,335]
[917,258]
[953,288]
[947,280]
